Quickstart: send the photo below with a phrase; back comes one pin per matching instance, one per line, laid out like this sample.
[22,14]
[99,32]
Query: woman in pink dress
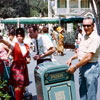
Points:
[4,53]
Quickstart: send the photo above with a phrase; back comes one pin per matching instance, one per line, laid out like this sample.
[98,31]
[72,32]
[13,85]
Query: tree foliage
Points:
[4,92]
[39,7]
[14,8]
[23,8]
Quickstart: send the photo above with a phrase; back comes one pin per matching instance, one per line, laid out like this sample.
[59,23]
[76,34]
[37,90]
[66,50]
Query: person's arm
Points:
[5,42]
[9,51]
[82,62]
[50,51]
[68,62]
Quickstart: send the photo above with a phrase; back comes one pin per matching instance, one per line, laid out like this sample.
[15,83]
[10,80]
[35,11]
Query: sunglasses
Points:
[87,25]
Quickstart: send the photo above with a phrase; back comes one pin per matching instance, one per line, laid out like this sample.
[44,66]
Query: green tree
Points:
[38,7]
[23,8]
[4,93]
[14,8]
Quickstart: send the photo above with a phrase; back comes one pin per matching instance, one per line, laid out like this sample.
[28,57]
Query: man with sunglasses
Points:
[87,55]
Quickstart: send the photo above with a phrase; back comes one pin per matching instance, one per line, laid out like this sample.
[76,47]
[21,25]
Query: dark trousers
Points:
[43,60]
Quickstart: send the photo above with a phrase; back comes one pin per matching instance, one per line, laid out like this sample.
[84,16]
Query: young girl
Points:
[19,73]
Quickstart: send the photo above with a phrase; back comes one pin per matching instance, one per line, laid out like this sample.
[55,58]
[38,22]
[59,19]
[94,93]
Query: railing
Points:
[70,11]
[77,10]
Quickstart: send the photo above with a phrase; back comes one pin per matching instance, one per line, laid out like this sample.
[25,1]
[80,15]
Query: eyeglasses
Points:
[87,25]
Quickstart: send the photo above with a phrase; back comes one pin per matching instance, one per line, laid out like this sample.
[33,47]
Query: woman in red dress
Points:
[19,73]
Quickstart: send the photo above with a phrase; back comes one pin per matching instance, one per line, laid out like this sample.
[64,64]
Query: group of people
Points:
[58,38]
[88,53]
[21,57]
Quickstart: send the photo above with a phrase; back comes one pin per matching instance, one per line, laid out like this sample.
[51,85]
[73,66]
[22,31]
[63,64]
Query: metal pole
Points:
[96,17]
[49,14]
[59,20]
[49,9]
[17,23]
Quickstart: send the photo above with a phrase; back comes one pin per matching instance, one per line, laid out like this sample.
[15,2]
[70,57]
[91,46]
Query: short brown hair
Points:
[35,28]
[45,29]
[12,32]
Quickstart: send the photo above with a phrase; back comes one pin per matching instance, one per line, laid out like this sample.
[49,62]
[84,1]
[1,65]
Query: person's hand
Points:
[36,57]
[28,60]
[71,69]
[4,58]
[69,62]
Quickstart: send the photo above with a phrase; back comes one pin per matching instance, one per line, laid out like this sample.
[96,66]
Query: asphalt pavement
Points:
[62,60]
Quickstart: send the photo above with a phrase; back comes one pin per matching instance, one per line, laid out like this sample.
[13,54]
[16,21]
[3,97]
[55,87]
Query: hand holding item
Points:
[36,57]
[69,62]
[71,69]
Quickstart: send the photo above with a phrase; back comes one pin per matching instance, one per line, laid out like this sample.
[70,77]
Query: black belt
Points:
[43,60]
[93,62]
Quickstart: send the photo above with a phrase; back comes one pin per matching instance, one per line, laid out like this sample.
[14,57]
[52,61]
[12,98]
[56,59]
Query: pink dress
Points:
[3,54]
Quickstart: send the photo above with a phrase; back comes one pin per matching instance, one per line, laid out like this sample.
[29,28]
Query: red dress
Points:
[19,72]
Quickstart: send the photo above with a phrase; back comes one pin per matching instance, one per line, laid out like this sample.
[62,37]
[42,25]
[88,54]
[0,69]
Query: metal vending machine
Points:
[53,82]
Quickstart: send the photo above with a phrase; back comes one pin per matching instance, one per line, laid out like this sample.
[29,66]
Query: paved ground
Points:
[62,60]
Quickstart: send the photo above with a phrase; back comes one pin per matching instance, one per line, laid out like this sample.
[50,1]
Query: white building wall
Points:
[73,7]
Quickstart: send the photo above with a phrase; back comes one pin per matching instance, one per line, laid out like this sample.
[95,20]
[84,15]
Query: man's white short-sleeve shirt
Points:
[91,44]
[44,43]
